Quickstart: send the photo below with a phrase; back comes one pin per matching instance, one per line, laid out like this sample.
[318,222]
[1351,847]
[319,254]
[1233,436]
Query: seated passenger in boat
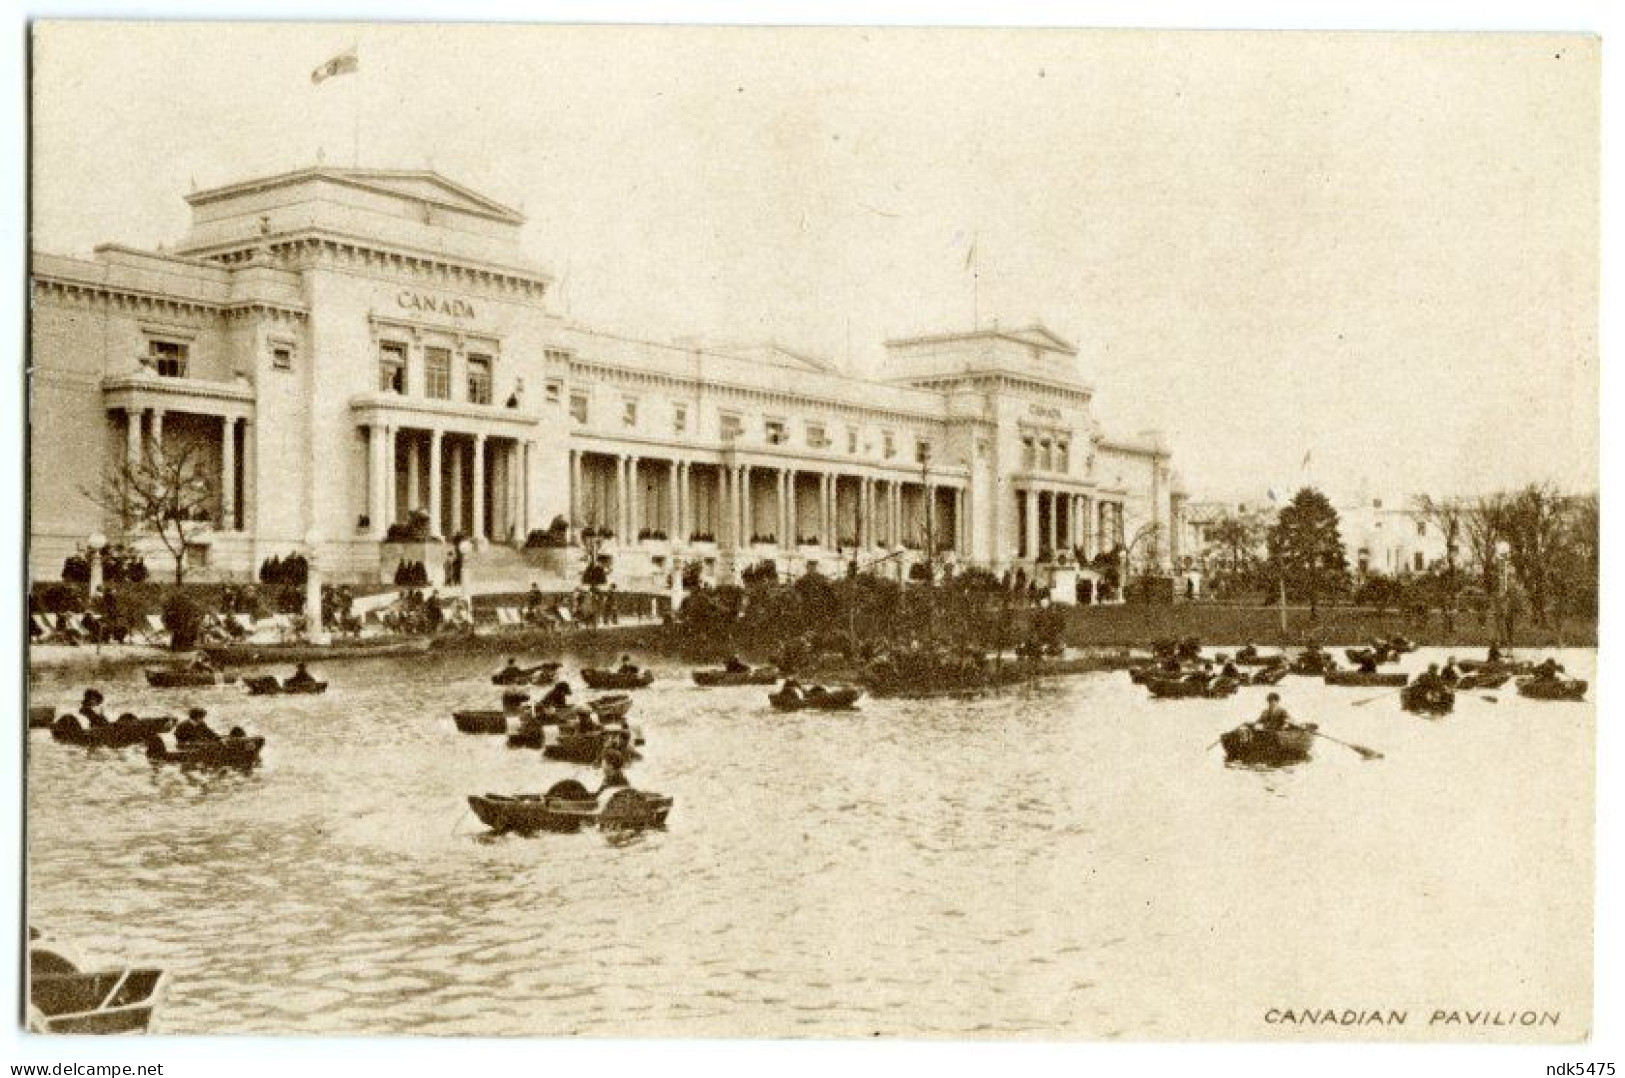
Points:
[1247,652]
[513,669]
[1494,654]
[558,696]
[614,765]
[201,663]
[1430,678]
[193,729]
[1450,675]
[626,665]
[90,709]
[792,690]
[1274,716]
[736,665]
[1368,663]
[301,676]
[1230,670]
[1548,670]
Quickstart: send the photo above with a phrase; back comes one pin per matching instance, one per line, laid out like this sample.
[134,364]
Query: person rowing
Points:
[301,677]
[193,729]
[557,697]
[1450,675]
[791,690]
[1368,661]
[1430,680]
[90,708]
[627,666]
[736,665]
[1274,717]
[1548,670]
[613,763]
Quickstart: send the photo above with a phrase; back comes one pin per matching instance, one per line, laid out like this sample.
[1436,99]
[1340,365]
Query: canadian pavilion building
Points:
[345,348]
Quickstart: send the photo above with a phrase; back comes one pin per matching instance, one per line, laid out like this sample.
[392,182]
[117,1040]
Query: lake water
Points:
[1069,859]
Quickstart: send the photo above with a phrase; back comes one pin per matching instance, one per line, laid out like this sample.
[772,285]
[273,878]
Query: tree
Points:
[169,492]
[1234,541]
[1483,522]
[1534,525]
[1449,515]
[1305,550]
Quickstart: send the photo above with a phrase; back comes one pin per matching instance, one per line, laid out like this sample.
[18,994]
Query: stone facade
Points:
[344,348]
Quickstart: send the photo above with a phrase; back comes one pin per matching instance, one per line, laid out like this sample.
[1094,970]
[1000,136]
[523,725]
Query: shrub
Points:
[183,618]
[60,599]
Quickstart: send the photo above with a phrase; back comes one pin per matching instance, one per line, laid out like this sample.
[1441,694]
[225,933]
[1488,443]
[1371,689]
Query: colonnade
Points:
[498,472]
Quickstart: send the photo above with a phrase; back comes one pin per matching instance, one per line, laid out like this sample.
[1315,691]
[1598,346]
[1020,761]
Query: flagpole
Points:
[355,130]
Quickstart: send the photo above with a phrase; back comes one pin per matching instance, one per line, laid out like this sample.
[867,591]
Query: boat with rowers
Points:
[793,697]
[736,674]
[568,806]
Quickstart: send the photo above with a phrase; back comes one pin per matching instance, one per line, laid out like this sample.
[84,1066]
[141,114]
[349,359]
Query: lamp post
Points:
[315,631]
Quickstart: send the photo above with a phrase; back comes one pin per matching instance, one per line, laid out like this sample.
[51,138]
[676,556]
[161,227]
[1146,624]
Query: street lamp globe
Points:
[97,542]
[465,547]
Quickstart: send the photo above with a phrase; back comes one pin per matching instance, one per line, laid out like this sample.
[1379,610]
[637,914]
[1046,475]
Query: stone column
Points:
[454,465]
[674,503]
[249,517]
[376,455]
[477,497]
[228,474]
[414,473]
[391,506]
[576,465]
[436,524]
[156,434]
[634,498]
[1029,549]
[132,437]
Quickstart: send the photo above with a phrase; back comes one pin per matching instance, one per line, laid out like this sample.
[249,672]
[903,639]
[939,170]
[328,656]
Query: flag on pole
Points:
[970,253]
[345,63]
[1306,455]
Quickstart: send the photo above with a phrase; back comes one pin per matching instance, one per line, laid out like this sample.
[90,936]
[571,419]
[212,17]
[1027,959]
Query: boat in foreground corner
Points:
[65,998]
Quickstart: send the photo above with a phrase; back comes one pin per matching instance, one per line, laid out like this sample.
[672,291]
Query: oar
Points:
[1382,696]
[1369,754]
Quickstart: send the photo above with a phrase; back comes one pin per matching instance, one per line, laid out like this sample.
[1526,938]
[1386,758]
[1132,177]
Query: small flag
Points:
[344,63]
[970,253]
[1306,455]
[1273,498]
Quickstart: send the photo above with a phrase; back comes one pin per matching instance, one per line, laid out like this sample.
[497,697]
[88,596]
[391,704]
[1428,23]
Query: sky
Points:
[1373,253]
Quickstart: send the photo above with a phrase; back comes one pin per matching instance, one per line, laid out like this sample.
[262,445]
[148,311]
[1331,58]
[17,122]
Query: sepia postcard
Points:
[821,532]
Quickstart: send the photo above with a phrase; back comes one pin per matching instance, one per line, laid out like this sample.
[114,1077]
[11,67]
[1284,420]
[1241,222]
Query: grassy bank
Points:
[1221,624]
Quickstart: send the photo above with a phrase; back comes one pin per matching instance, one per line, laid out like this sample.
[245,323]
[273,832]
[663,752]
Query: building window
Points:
[282,357]
[816,438]
[1063,457]
[1422,528]
[1376,503]
[392,367]
[731,426]
[437,373]
[554,390]
[578,407]
[851,439]
[479,379]
[1029,454]
[629,413]
[166,358]
[1046,459]
[888,444]
[776,434]
[1416,561]
[922,451]
[679,418]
